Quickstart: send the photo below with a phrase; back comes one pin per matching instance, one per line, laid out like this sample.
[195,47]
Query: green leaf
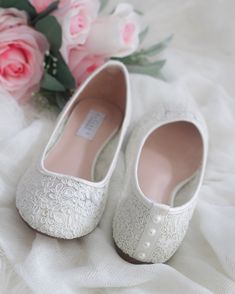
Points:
[61,99]
[139,12]
[49,95]
[53,6]
[151,69]
[134,59]
[19,4]
[160,76]
[51,29]
[143,35]
[156,49]
[103,4]
[64,74]
[50,83]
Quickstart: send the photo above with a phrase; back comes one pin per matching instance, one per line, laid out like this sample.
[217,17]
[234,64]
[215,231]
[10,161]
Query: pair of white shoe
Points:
[63,195]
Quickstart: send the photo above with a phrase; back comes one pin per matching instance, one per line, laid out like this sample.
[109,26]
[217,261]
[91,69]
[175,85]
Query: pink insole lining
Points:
[92,123]
[171,155]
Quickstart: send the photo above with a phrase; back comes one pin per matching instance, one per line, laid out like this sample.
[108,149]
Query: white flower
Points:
[116,35]
[76,18]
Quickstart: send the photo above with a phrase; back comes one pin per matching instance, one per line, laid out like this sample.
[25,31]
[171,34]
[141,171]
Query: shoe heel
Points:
[127,258]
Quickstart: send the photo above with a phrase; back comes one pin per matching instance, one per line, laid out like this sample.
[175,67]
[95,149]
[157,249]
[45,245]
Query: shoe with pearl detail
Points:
[166,158]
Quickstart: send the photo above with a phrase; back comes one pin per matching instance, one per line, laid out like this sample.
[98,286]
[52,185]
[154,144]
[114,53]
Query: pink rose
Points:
[41,5]
[116,35]
[21,61]
[82,65]
[76,18]
[10,18]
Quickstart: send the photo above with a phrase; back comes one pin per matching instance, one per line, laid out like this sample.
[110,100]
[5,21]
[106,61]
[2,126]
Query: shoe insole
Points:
[171,155]
[92,123]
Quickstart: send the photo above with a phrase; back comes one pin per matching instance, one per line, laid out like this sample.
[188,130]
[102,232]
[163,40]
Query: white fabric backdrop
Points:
[201,63]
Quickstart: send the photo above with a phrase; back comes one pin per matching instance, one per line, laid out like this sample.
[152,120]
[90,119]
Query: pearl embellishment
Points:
[157,219]
[152,232]
[141,255]
[147,244]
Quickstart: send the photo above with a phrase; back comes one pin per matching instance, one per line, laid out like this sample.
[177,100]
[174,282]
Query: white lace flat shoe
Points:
[166,157]
[63,195]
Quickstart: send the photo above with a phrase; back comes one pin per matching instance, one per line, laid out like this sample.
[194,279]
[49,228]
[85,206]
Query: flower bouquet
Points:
[48,48]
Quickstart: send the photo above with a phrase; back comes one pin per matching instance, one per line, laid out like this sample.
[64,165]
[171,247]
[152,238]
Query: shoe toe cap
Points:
[59,206]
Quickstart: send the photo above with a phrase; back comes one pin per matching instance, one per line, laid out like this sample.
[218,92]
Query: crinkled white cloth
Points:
[201,63]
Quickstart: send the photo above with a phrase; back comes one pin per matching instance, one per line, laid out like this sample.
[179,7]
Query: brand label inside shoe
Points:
[91,124]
